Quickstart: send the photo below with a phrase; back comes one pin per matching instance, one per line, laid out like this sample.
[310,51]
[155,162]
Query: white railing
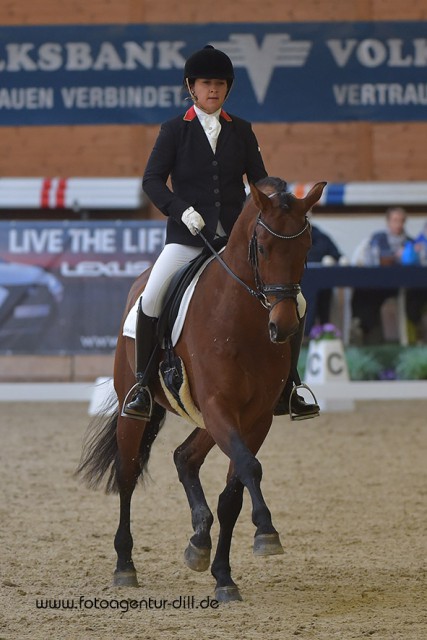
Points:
[126,193]
[71,193]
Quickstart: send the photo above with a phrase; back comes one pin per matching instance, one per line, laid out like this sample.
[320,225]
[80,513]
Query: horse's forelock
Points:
[272,185]
[285,199]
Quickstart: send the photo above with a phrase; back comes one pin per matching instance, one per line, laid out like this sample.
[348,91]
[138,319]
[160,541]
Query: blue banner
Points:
[285,72]
[63,285]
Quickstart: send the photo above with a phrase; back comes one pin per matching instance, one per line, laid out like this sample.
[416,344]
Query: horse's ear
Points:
[314,194]
[261,199]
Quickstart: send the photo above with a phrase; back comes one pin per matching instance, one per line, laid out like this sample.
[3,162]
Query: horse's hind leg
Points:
[189,457]
[134,439]
[129,435]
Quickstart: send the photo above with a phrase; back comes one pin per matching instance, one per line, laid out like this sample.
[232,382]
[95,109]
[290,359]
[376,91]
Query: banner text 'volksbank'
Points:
[285,72]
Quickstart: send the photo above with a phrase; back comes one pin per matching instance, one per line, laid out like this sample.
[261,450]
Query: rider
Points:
[205,153]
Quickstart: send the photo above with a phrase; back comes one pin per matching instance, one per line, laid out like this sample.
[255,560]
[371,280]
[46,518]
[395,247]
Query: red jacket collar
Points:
[191,114]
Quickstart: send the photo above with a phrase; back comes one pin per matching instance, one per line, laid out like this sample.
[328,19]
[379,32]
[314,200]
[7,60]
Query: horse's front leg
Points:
[246,471]
[189,457]
[249,471]
[229,507]
[129,435]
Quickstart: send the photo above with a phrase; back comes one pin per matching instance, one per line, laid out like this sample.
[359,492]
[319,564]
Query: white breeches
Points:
[171,259]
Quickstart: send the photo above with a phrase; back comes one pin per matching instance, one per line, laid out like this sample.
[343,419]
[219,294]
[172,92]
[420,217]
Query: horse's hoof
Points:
[228,594]
[197,559]
[267,544]
[125,579]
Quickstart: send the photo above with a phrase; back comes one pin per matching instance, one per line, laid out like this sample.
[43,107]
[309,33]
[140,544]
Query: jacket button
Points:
[215,163]
[217,204]
[216,190]
[215,177]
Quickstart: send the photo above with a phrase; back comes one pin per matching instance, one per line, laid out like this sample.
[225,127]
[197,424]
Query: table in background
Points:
[317,277]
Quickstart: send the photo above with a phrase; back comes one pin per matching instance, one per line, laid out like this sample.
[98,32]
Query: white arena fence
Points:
[94,394]
[126,193]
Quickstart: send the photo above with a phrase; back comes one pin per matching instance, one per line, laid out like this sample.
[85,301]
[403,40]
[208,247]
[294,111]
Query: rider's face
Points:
[210,93]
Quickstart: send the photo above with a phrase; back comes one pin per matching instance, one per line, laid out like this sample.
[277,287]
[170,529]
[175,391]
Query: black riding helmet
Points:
[209,63]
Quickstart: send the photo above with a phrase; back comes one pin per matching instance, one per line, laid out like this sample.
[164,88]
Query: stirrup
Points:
[296,416]
[129,396]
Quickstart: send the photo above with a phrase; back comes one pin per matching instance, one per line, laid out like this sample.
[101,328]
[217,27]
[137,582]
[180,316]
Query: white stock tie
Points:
[212,128]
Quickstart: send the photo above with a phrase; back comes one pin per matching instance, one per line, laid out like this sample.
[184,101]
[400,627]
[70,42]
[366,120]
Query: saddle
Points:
[177,288]
[172,368]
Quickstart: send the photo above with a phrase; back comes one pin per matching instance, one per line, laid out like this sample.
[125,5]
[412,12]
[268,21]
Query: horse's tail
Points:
[100,451]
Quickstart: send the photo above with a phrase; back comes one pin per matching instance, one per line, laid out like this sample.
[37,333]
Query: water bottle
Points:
[409,255]
[375,254]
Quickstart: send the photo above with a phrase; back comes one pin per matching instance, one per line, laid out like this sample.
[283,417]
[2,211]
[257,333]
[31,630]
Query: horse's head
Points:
[280,241]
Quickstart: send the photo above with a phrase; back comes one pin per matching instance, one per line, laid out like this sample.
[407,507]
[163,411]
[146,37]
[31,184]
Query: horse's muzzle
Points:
[278,334]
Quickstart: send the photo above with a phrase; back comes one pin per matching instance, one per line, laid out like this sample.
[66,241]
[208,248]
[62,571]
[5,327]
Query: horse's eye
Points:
[261,249]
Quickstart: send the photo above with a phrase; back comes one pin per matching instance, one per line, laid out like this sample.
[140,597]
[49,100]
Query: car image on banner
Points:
[64,284]
[29,299]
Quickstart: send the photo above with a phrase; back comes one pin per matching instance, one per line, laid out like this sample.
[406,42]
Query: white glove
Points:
[193,220]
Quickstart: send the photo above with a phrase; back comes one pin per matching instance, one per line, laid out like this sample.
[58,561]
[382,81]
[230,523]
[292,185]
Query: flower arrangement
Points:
[412,363]
[326,331]
[381,362]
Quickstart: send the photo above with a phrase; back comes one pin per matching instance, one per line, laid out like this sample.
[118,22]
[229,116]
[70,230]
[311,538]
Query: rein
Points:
[257,294]
[281,291]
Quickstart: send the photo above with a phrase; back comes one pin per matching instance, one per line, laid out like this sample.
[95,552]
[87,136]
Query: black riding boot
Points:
[146,346]
[290,402]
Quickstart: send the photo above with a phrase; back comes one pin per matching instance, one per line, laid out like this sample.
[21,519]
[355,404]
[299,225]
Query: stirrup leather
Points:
[129,397]
[296,416]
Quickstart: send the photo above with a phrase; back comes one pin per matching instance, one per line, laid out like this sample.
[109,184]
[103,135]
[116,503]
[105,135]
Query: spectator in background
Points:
[386,247]
[423,235]
[324,250]
[421,245]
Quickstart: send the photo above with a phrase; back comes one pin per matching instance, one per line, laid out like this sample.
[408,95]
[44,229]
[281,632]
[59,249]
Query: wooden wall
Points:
[298,152]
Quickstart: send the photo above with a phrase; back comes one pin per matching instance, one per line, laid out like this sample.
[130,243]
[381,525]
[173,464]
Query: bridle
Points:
[279,291]
[262,290]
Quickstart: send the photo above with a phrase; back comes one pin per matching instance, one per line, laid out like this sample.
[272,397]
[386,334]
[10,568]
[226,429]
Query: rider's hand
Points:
[193,220]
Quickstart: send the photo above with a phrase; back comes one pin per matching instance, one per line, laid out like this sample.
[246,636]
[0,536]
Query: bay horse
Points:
[236,354]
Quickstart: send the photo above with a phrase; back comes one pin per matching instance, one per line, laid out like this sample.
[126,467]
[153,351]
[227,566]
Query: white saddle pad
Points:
[129,326]
[191,413]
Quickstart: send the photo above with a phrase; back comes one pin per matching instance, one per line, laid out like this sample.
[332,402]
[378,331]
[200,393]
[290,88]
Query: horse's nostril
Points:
[273,331]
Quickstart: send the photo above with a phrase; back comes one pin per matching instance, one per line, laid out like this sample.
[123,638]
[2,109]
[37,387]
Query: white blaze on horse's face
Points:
[283,239]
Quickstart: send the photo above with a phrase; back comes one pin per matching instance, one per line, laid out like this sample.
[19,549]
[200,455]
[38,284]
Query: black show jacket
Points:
[210,182]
